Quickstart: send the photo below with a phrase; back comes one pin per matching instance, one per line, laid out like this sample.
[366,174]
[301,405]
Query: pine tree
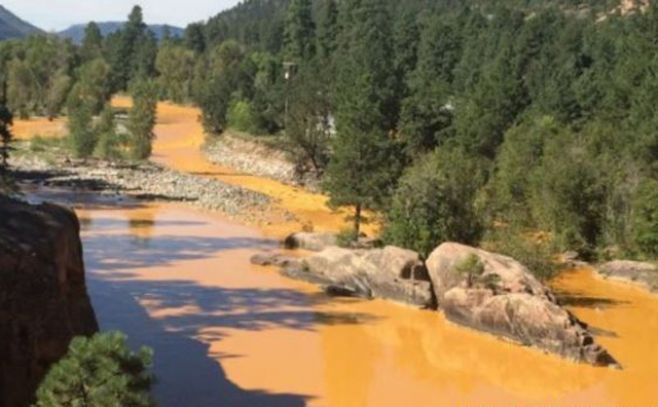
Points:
[99,371]
[327,29]
[426,114]
[142,118]
[299,36]
[80,115]
[92,43]
[362,171]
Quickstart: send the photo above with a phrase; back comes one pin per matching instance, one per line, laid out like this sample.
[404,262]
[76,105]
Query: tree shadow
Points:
[187,373]
[572,299]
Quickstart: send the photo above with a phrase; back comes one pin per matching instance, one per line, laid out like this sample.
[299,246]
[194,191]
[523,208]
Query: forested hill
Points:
[13,27]
[260,23]
[77,32]
[481,122]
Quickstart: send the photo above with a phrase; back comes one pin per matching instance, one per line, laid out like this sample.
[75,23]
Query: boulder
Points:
[504,299]
[275,259]
[312,241]
[388,273]
[512,276]
[43,296]
[644,274]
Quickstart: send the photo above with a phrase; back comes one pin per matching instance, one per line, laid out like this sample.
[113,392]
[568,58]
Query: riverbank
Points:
[144,181]
[179,279]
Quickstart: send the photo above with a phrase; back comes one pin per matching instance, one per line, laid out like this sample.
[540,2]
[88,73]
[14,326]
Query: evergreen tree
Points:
[194,38]
[427,113]
[59,90]
[92,43]
[99,371]
[131,51]
[142,118]
[362,170]
[109,140]
[299,35]
[94,84]
[80,115]
[309,122]
[327,31]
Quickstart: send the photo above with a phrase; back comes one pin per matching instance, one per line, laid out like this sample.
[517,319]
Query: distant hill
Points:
[77,32]
[13,27]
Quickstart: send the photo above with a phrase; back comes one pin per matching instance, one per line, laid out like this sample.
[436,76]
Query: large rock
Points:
[504,299]
[310,241]
[43,297]
[389,273]
[644,274]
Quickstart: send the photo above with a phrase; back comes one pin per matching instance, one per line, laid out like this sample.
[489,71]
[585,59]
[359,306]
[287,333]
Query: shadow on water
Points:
[187,374]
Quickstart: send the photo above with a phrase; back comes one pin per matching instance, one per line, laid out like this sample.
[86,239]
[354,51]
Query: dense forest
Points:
[525,126]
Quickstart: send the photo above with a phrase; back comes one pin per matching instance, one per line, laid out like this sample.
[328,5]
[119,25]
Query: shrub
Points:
[98,372]
[532,251]
[241,116]
[436,202]
[645,218]
[470,267]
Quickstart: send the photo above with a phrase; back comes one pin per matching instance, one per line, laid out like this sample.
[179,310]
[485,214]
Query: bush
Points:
[436,202]
[645,218]
[530,249]
[347,238]
[98,372]
[241,116]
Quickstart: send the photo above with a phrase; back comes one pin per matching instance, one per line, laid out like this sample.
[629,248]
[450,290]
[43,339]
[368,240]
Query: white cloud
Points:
[59,14]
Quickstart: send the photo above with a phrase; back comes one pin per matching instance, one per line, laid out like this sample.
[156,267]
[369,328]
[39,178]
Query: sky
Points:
[55,15]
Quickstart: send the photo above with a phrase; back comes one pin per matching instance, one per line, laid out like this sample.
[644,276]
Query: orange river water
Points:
[228,333]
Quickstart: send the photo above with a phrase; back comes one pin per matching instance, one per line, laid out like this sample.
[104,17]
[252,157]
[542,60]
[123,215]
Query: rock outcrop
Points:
[43,297]
[311,241]
[389,273]
[496,294]
[643,274]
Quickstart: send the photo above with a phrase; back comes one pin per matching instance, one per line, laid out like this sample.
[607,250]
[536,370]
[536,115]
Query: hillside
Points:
[13,27]
[76,32]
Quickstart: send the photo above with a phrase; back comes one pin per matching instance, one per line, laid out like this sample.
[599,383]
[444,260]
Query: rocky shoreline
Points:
[257,158]
[484,291]
[146,181]
[644,275]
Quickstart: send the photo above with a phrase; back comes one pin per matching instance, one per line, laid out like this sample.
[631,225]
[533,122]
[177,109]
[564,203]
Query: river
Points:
[228,333]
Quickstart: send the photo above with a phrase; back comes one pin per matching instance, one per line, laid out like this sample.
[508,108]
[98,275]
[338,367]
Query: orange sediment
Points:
[345,352]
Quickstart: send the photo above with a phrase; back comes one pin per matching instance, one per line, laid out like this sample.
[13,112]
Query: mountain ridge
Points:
[76,31]
[12,26]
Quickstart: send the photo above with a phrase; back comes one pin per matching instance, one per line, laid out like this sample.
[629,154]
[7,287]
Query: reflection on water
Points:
[228,333]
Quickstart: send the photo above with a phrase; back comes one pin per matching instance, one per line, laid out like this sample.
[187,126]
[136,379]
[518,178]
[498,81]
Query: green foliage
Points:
[346,238]
[535,252]
[176,67]
[241,116]
[97,372]
[142,118]
[470,267]
[109,140]
[93,85]
[308,126]
[80,115]
[92,43]
[299,35]
[34,67]
[435,202]
[362,171]
[645,218]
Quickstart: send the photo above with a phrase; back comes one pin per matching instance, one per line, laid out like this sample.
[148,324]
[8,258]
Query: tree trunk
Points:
[357,221]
